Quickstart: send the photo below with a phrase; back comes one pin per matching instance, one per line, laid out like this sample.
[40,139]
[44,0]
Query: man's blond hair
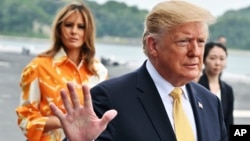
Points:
[168,14]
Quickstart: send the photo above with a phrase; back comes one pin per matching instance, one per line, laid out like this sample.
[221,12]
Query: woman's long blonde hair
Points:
[88,49]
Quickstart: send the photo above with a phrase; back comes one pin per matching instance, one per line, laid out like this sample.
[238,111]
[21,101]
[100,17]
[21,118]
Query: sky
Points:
[216,7]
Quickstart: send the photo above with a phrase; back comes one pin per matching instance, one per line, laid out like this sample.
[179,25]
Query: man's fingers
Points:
[67,104]
[56,111]
[107,117]
[87,97]
[73,96]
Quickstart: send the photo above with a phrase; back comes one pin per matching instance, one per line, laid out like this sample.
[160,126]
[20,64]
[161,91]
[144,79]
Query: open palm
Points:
[80,123]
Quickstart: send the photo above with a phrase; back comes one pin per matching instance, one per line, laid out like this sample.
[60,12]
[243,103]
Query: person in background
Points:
[70,59]
[215,56]
[140,105]
[222,40]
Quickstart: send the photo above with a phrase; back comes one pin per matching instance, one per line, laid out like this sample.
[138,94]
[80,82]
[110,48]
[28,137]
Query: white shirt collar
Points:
[162,84]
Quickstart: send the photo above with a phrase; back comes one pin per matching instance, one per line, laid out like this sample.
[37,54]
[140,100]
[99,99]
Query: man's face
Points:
[178,55]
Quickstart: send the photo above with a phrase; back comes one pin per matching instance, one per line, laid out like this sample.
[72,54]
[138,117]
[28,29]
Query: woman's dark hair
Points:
[211,45]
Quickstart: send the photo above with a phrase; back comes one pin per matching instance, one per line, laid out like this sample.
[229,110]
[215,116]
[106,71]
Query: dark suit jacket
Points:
[141,114]
[227,99]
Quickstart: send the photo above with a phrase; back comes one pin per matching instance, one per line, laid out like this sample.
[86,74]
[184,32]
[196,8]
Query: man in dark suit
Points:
[138,106]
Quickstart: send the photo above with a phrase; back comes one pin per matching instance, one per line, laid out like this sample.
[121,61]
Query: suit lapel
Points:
[197,106]
[152,103]
[223,95]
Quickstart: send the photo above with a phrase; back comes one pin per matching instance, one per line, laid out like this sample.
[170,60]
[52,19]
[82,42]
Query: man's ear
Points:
[152,45]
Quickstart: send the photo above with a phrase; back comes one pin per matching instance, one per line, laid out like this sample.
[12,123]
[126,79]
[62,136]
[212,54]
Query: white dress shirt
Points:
[165,88]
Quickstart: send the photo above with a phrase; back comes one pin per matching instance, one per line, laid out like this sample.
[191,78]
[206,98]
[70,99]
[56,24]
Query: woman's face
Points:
[72,30]
[215,62]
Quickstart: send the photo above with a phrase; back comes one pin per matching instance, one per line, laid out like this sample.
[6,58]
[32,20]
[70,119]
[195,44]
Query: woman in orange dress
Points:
[70,59]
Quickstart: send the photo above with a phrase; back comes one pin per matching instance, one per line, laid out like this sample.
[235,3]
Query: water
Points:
[121,52]
[238,61]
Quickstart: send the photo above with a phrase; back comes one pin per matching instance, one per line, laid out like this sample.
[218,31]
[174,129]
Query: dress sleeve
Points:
[29,116]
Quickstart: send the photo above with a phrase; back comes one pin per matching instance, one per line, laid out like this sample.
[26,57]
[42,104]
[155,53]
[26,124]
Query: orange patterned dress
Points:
[41,82]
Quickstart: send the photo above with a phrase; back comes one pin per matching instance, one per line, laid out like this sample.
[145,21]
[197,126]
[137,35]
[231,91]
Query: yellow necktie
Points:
[183,129]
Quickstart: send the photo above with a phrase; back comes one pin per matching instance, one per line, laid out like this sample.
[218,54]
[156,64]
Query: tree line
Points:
[33,18]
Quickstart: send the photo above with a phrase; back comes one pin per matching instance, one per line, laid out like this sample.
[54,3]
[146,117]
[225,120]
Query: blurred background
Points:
[26,26]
